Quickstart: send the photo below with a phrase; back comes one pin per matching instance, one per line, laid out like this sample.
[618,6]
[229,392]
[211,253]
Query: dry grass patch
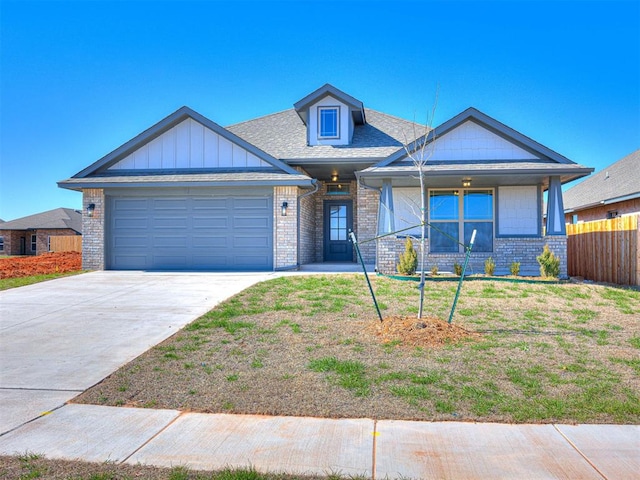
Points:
[314,346]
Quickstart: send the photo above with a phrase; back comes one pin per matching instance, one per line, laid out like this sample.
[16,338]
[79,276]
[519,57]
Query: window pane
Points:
[443,204]
[329,122]
[478,205]
[444,237]
[484,235]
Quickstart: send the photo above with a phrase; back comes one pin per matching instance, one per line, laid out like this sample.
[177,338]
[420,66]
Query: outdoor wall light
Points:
[466,182]
[285,205]
[90,208]
[334,177]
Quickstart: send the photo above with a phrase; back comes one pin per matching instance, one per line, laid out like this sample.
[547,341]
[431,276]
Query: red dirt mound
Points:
[62,262]
[424,332]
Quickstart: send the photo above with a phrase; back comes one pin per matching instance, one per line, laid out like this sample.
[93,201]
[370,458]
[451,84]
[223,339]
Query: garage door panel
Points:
[169,241]
[255,261]
[170,222]
[170,204]
[190,232]
[139,204]
[128,262]
[209,241]
[251,223]
[211,222]
[132,223]
[252,203]
[210,204]
[246,241]
[130,242]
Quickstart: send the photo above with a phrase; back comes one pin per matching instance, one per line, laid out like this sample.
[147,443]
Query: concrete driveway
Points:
[60,337]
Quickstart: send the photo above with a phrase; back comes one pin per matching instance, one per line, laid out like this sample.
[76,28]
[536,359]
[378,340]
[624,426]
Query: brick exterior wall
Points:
[366,226]
[12,240]
[506,250]
[285,229]
[93,229]
[628,207]
[308,228]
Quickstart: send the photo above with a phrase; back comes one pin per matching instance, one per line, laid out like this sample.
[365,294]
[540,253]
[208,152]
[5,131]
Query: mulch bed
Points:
[424,332]
[61,262]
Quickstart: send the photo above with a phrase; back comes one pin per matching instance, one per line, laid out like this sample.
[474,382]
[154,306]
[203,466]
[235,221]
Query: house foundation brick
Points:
[506,251]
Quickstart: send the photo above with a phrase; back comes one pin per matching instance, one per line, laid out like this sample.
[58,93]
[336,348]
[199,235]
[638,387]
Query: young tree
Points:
[419,151]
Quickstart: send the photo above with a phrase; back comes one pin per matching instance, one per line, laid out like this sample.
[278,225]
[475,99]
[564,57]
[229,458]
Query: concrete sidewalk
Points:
[378,449]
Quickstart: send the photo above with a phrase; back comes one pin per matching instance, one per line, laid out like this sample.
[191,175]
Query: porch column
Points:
[555,208]
[386,220]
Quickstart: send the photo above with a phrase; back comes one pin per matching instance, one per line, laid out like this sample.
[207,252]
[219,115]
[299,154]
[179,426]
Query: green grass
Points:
[7,283]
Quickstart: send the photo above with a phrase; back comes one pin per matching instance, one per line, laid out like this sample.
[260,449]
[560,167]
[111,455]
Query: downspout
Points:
[316,187]
[379,190]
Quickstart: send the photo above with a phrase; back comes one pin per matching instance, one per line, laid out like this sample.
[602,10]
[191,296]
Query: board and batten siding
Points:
[189,145]
[470,141]
[519,211]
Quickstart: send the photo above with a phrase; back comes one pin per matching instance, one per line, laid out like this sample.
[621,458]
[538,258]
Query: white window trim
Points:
[337,110]
[34,242]
[460,221]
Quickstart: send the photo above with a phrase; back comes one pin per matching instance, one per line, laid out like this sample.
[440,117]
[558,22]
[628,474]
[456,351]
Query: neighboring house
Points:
[610,193]
[30,235]
[285,189]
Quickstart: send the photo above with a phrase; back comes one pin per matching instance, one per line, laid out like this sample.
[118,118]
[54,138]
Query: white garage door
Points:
[194,232]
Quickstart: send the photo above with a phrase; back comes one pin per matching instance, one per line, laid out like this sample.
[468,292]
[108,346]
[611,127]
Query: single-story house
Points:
[610,193]
[31,235]
[284,190]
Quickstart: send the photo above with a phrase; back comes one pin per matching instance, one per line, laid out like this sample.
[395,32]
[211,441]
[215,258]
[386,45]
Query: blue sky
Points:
[79,79]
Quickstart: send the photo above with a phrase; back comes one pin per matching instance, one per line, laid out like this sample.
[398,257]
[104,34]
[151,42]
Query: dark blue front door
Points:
[338,221]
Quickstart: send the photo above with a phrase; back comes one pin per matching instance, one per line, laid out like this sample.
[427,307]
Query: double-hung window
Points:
[454,214]
[329,122]
[34,242]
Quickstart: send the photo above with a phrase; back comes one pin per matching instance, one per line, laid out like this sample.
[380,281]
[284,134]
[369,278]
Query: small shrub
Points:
[408,260]
[549,263]
[515,268]
[434,271]
[489,266]
[457,269]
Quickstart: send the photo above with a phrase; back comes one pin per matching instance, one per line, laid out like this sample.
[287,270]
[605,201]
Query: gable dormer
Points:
[330,116]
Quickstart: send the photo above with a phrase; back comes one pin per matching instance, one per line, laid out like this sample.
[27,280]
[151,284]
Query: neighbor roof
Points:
[617,182]
[284,136]
[52,219]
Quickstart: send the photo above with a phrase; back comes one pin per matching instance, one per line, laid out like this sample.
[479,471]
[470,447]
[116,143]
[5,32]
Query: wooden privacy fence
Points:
[65,243]
[605,250]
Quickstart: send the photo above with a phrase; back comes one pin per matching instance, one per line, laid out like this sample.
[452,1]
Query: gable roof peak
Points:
[355,106]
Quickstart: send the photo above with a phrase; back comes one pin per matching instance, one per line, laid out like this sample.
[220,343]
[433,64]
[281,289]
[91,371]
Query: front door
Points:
[338,221]
[23,245]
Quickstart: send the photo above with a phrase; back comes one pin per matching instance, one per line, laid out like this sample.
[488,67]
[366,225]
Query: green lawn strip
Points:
[7,283]
[548,353]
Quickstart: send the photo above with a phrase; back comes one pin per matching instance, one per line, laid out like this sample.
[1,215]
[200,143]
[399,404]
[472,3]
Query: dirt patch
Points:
[424,332]
[61,262]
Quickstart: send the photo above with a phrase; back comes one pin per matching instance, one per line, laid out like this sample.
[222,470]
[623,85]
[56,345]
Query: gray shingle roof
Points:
[620,179]
[284,136]
[52,219]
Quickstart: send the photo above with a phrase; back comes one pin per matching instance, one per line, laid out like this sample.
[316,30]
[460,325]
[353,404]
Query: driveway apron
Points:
[60,337]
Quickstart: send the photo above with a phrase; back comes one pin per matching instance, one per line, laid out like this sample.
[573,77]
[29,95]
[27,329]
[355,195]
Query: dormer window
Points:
[329,122]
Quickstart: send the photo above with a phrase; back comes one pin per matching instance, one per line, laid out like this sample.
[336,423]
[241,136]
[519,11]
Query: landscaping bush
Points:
[549,263]
[408,260]
[489,266]
[515,268]
[434,271]
[457,269]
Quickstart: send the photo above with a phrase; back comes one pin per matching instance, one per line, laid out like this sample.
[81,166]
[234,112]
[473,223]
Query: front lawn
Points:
[310,346]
